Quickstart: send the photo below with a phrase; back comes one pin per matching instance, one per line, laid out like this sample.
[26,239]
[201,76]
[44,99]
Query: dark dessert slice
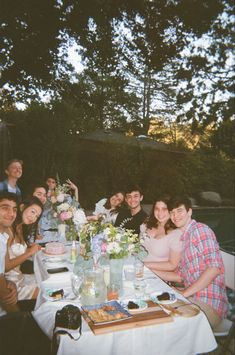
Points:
[57,294]
[164,297]
[132,305]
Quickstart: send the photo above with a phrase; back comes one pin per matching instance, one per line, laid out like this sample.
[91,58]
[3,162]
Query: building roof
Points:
[142,142]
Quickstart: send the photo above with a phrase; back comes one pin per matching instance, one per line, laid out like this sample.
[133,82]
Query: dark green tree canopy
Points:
[122,39]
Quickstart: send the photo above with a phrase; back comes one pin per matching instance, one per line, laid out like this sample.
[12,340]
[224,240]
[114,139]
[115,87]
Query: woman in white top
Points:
[18,250]
[108,208]
[161,238]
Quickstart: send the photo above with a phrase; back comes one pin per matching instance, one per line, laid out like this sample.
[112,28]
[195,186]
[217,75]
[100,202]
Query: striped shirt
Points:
[200,252]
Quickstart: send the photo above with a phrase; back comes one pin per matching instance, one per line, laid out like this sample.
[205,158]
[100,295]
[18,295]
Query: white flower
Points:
[118,237]
[79,217]
[113,248]
[63,207]
[60,197]
[131,248]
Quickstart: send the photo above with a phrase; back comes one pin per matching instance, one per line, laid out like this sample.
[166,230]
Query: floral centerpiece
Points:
[99,239]
[66,211]
[104,238]
[72,217]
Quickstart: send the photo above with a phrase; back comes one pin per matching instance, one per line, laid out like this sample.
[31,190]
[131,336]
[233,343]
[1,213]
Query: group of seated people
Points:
[180,249]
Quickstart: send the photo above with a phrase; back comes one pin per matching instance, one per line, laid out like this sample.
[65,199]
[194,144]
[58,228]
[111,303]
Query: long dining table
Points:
[181,336]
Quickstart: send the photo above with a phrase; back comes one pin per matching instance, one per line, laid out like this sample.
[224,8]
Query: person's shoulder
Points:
[199,226]
[143,213]
[4,236]
[175,233]
[102,201]
[2,184]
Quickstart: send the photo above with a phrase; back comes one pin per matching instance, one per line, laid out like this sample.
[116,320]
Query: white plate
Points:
[68,294]
[55,260]
[54,255]
[141,303]
[172,299]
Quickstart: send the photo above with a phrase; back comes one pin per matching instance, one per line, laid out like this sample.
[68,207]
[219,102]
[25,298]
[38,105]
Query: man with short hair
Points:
[8,212]
[13,170]
[19,333]
[201,267]
[134,216]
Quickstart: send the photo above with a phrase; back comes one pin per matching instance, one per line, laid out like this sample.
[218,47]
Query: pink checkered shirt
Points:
[201,251]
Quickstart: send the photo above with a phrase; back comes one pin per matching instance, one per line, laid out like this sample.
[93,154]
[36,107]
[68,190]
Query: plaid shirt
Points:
[201,251]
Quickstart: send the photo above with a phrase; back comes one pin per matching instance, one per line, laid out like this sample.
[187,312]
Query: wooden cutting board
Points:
[153,316]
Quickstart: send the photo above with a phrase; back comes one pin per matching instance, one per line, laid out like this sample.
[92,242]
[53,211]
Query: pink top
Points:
[159,249]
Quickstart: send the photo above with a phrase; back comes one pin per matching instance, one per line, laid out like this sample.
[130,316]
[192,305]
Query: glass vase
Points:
[116,272]
[71,232]
[61,232]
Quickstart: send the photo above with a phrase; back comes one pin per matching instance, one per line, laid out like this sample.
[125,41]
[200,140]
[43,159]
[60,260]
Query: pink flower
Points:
[64,216]
[103,247]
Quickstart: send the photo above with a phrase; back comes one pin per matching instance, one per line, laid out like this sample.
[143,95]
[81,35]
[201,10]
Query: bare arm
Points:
[204,280]
[8,295]
[74,188]
[169,265]
[168,276]
[12,263]
[3,287]
[92,218]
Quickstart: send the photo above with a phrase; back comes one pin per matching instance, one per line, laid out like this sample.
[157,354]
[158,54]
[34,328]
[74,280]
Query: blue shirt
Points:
[4,187]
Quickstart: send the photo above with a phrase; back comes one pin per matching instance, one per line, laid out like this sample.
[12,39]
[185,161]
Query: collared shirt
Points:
[200,252]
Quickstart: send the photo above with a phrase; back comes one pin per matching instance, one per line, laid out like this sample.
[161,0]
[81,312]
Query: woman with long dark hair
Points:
[108,207]
[19,249]
[161,238]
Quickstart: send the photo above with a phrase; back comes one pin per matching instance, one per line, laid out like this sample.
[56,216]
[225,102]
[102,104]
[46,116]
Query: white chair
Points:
[226,327]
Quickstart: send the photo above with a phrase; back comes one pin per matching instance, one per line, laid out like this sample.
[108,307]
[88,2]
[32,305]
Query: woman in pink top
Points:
[161,238]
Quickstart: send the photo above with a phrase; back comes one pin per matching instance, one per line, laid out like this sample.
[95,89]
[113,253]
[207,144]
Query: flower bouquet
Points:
[72,217]
[116,243]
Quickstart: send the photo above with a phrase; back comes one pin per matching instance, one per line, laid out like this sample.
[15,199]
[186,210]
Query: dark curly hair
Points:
[152,222]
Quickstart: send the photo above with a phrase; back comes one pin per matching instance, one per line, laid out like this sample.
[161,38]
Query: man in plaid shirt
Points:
[201,267]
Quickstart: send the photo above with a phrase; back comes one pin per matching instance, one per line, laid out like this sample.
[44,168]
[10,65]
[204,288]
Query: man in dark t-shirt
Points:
[134,216]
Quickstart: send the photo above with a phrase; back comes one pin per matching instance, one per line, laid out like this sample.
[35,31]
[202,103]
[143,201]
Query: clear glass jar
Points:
[93,289]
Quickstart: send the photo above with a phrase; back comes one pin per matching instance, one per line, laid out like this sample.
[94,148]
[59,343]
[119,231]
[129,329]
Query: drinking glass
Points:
[113,292]
[139,270]
[129,273]
[140,287]
[76,282]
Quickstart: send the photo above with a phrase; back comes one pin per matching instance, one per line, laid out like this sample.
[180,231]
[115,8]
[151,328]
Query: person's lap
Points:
[212,316]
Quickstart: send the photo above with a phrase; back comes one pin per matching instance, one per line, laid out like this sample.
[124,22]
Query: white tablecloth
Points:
[183,336]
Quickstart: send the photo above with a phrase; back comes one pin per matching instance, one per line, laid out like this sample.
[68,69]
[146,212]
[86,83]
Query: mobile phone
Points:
[57,270]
